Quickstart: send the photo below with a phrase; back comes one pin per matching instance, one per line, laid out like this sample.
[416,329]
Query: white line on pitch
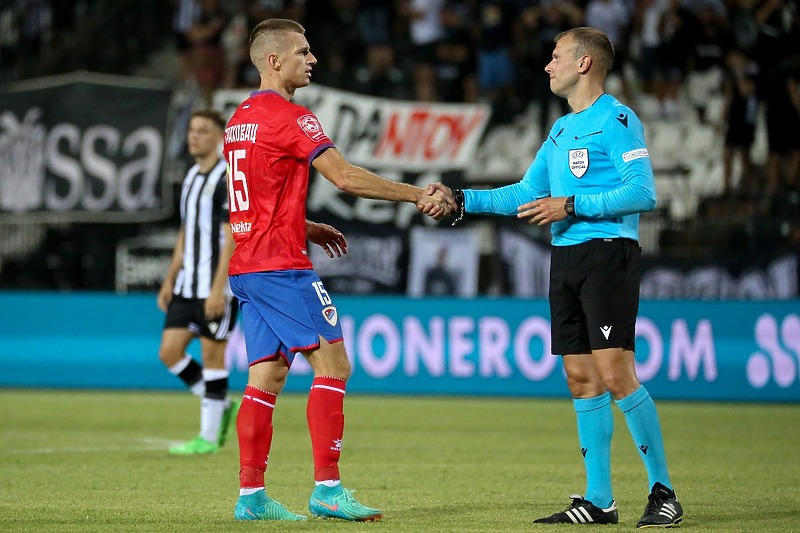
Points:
[147,445]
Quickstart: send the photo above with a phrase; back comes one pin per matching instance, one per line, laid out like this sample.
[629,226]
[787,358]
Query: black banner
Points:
[766,276]
[83,148]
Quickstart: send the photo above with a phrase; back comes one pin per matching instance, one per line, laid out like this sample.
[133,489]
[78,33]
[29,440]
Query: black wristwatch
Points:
[569,206]
[458,196]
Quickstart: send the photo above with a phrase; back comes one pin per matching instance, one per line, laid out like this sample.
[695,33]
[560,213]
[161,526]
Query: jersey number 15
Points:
[238,195]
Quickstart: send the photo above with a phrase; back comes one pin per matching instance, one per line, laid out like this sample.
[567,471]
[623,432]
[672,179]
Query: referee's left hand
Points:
[544,210]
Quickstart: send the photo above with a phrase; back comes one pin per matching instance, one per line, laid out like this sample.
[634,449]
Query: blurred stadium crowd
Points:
[714,73]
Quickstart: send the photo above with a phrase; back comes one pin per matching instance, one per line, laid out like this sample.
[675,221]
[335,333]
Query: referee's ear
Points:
[585,64]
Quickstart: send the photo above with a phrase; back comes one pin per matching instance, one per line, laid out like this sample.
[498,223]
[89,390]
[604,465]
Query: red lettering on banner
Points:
[426,135]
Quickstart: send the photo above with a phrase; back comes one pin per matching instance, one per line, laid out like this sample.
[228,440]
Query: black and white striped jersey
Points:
[204,208]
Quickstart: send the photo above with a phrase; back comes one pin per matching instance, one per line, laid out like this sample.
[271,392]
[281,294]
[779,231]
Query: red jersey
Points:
[269,144]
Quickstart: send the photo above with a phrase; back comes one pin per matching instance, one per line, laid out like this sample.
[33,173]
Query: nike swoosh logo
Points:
[333,508]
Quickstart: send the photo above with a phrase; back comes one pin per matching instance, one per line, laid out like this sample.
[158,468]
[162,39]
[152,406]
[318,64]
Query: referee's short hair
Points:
[212,115]
[594,43]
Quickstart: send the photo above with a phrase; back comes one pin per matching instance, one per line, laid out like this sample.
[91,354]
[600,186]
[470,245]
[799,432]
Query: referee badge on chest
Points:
[578,162]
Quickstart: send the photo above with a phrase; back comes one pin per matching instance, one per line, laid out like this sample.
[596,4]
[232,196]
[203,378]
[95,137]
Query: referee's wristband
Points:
[458,196]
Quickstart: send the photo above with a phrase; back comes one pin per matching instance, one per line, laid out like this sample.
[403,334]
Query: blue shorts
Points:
[284,312]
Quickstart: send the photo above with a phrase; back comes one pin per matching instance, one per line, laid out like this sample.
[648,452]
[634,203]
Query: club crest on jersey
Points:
[330,314]
[311,127]
[579,162]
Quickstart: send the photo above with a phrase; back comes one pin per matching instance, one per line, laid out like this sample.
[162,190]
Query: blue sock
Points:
[642,418]
[595,428]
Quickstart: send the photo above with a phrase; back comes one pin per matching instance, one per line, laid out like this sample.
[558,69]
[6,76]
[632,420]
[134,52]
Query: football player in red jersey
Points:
[270,143]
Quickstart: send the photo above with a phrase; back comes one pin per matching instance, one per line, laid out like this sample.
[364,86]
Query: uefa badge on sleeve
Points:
[579,162]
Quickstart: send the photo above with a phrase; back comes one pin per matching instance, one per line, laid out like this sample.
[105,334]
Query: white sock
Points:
[329,482]
[210,418]
[178,367]
[211,374]
[248,492]
[199,388]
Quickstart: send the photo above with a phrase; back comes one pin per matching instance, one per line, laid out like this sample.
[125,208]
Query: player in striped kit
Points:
[195,293]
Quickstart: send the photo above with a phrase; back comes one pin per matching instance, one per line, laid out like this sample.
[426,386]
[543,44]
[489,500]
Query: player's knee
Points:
[169,356]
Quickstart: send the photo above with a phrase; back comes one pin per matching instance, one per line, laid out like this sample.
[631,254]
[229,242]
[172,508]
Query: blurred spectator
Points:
[8,40]
[425,31]
[379,74]
[496,69]
[676,27]
[239,70]
[337,42]
[740,114]
[538,25]
[207,59]
[741,14]
[778,50]
[63,19]
[187,13]
[376,22]
[33,26]
[456,65]
[783,124]
[295,10]
[614,18]
[775,19]
[659,75]
[712,40]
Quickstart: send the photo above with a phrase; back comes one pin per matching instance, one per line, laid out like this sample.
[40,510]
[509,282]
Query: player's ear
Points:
[274,61]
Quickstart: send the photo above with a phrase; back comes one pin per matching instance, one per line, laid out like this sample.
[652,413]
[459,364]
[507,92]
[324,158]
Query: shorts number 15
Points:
[237,194]
[322,293]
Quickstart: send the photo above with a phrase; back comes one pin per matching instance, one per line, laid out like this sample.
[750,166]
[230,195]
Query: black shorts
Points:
[594,295]
[188,313]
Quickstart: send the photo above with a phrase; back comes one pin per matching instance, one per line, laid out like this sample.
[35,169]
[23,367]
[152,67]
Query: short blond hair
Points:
[593,43]
[266,36]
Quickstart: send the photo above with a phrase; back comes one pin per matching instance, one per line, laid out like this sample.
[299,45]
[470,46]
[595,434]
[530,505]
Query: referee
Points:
[590,180]
[195,294]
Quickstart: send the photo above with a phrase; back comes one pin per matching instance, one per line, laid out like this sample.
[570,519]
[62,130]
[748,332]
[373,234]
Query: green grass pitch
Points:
[78,461]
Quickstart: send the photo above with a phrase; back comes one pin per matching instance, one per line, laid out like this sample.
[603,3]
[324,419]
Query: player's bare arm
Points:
[363,183]
[326,237]
[544,210]
[165,292]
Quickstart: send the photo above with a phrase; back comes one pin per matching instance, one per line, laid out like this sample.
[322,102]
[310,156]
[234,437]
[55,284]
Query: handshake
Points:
[438,201]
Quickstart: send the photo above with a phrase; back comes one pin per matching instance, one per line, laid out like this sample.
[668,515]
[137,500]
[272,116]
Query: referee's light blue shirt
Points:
[600,156]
